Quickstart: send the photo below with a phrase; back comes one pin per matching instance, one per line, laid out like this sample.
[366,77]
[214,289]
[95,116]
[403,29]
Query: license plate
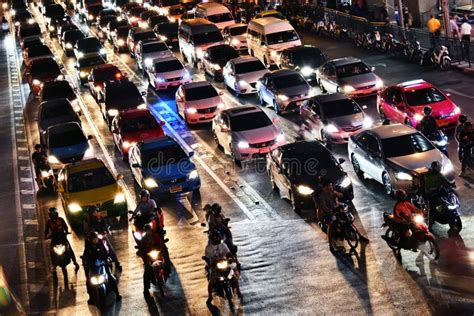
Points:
[443,122]
[103,213]
[176,188]
[264,150]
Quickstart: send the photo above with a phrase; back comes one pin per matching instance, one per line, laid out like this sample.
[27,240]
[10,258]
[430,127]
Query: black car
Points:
[119,38]
[89,45]
[70,39]
[216,57]
[91,13]
[60,89]
[113,25]
[28,31]
[295,171]
[54,112]
[52,12]
[32,42]
[21,17]
[41,71]
[157,19]
[56,22]
[120,96]
[63,28]
[36,52]
[145,16]
[168,33]
[305,59]
[103,23]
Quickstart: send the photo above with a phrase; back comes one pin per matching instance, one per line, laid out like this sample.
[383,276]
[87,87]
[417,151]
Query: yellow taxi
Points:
[90,183]
[270,13]
[85,64]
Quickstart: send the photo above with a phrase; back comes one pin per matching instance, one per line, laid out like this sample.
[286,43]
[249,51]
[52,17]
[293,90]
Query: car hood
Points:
[359,81]
[252,77]
[204,103]
[171,171]
[95,196]
[258,135]
[348,121]
[68,151]
[295,91]
[438,109]
[418,160]
[142,135]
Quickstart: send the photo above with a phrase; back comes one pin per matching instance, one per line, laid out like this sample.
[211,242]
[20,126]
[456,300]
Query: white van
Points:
[266,37]
[216,13]
[195,36]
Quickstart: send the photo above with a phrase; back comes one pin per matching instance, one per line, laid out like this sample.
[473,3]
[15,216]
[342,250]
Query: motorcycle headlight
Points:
[90,17]
[102,51]
[222,265]
[97,279]
[243,145]
[403,176]
[50,28]
[307,71]
[53,160]
[379,83]
[348,89]
[60,77]
[120,42]
[151,183]
[419,219]
[283,97]
[44,174]
[193,175]
[17,23]
[154,254]
[119,198]
[36,82]
[346,182]
[59,249]
[447,168]
[305,190]
[148,62]
[12,12]
[367,122]
[74,208]
[112,112]
[216,67]
[331,128]
[68,45]
[452,207]
[138,235]
[83,74]
[127,145]
[235,42]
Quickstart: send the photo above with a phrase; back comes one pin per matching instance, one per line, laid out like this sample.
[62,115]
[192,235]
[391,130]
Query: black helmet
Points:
[427,110]
[216,208]
[462,118]
[207,207]
[145,193]
[53,213]
[93,235]
[435,165]
[37,146]
[215,236]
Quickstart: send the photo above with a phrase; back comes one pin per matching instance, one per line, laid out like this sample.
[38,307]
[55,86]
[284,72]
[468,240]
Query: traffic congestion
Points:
[165,133]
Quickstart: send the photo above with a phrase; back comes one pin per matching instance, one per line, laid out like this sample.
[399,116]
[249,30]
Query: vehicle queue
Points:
[280,71]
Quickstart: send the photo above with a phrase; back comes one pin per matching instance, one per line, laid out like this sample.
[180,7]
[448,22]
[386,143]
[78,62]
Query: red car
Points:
[101,74]
[133,126]
[404,103]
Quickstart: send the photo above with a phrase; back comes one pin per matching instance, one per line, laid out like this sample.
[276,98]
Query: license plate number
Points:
[176,188]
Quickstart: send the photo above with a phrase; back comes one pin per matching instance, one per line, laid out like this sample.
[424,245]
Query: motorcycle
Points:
[419,237]
[440,140]
[224,277]
[224,228]
[98,283]
[156,262]
[60,254]
[415,52]
[343,228]
[139,223]
[439,56]
[47,179]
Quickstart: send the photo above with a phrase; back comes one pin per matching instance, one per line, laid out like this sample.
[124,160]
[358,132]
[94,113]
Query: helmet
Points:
[207,207]
[93,235]
[216,208]
[145,193]
[37,146]
[53,213]
[435,165]
[462,118]
[215,236]
[400,195]
[427,110]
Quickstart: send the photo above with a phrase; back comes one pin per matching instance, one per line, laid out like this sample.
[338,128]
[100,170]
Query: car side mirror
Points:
[136,165]
[341,161]
[143,93]
[89,137]
[119,177]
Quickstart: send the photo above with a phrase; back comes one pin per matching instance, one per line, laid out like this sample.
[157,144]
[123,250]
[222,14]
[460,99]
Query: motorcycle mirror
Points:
[130,212]
[166,240]
[341,160]
[203,224]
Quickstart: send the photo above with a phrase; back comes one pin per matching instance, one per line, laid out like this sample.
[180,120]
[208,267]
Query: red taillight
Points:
[118,76]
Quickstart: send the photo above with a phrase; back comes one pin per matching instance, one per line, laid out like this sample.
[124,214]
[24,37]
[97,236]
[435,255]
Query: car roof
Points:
[282,72]
[134,113]
[323,98]
[55,83]
[243,109]
[84,165]
[392,130]
[414,84]
[243,59]
[196,84]
[344,61]
[151,144]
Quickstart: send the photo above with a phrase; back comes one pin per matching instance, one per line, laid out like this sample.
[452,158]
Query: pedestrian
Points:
[407,18]
[453,24]
[465,31]
[434,27]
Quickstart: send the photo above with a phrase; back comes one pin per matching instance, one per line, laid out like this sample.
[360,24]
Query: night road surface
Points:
[287,267]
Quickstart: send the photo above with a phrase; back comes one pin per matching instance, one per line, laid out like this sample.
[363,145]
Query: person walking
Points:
[465,31]
[434,27]
[453,25]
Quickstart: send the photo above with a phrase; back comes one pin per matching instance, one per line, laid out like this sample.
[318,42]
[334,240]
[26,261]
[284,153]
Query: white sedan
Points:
[166,72]
[241,74]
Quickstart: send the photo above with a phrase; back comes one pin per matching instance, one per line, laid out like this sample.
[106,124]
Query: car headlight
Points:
[59,249]
[348,89]
[60,77]
[90,17]
[74,208]
[243,145]
[119,198]
[141,106]
[120,42]
[242,83]
[191,110]
[305,190]
[307,71]
[199,53]
[346,182]
[151,183]
[235,42]
[154,254]
[50,28]
[193,175]
[280,138]
[68,45]
[159,79]
[17,23]
[89,152]
[127,145]
[403,176]
[46,174]
[80,54]
[97,88]
[331,128]
[53,160]
[220,106]
[283,97]
[102,51]
[97,279]
[379,83]
[36,82]
[83,74]
[148,62]
[112,112]
[273,53]
[419,219]
[216,67]
[418,117]
[368,122]
[12,12]
[447,168]
[456,111]
[163,38]
[172,19]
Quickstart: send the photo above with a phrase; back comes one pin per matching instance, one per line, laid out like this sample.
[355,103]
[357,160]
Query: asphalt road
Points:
[287,266]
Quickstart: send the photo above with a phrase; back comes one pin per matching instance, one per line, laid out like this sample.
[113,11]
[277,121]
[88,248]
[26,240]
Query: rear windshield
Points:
[254,65]
[144,35]
[58,90]
[45,66]
[39,51]
[217,18]
[223,52]
[54,10]
[340,108]
[138,124]
[199,93]
[90,61]
[155,47]
[424,96]
[90,179]
[176,11]
[167,66]
[89,44]
[208,37]
[106,74]
[67,138]
[168,3]
[167,28]
[249,121]
[350,70]
[57,110]
[291,80]
[238,30]
[281,37]
[124,96]
[122,31]
[30,31]
[72,36]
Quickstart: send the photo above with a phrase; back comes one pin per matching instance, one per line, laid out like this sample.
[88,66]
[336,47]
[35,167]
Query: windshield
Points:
[54,10]
[166,66]
[89,45]
[122,31]
[30,31]
[238,30]
[45,66]
[312,57]
[164,156]
[217,18]
[168,3]
[39,51]
[340,108]
[124,96]
[208,37]
[167,28]
[243,68]
[424,96]
[57,90]
[90,61]
[155,47]
[67,138]
[144,35]
[157,19]
[63,109]
[199,93]
[176,11]
[223,52]
[281,37]
[106,74]
[292,80]
[136,124]
[405,145]
[354,69]
[73,36]
[249,121]
[90,179]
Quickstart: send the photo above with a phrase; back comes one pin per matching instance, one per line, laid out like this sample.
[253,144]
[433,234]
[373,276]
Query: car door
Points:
[225,133]
[315,119]
[180,100]
[276,171]
[229,75]
[330,83]
[371,158]
[398,105]
[134,159]
[268,90]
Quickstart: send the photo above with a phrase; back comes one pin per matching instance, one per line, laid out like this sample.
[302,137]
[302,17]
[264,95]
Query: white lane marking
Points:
[28,206]
[469,96]
[30,222]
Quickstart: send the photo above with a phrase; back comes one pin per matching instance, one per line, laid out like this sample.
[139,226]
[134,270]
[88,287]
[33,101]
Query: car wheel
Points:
[387,183]
[382,115]
[295,203]
[356,167]
[276,107]
[232,154]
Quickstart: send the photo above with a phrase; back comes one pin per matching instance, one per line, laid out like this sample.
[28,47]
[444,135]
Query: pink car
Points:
[404,103]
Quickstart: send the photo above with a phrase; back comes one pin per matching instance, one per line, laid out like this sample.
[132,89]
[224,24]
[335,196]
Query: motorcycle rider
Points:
[215,251]
[57,228]
[403,211]
[327,202]
[217,220]
[39,158]
[148,209]
[95,250]
[427,124]
[95,223]
[457,134]
[466,141]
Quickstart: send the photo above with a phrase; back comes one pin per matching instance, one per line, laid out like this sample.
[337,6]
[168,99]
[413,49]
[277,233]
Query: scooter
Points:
[439,56]
[343,226]
[98,283]
[60,254]
[47,180]
[440,140]
[155,262]
[224,280]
